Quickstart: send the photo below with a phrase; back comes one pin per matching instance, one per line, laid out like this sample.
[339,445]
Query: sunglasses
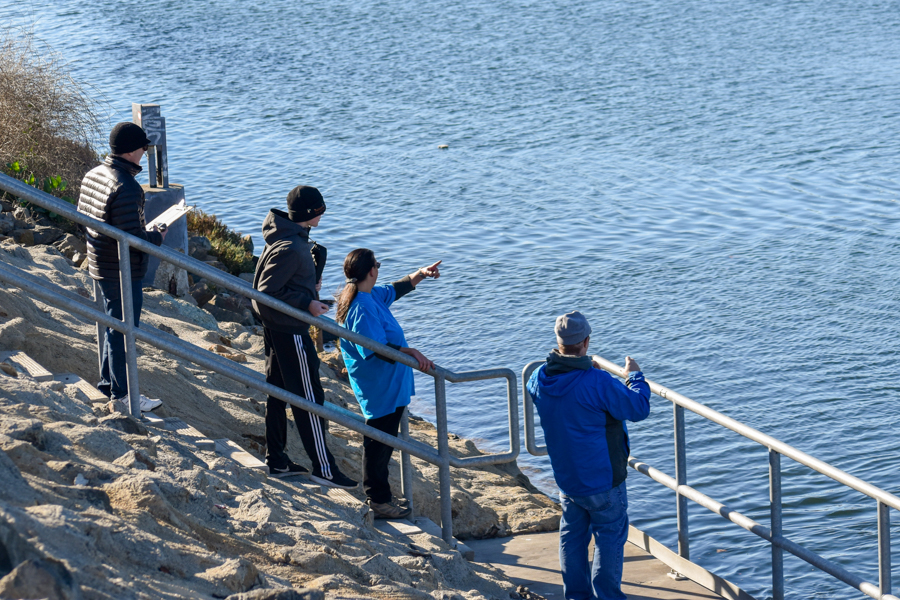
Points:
[146,147]
[377,265]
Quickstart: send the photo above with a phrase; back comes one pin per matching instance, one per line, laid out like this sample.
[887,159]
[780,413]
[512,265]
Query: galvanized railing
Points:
[774,534]
[64,299]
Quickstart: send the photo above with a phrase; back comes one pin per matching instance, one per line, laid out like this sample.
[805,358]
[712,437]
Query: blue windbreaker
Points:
[582,412]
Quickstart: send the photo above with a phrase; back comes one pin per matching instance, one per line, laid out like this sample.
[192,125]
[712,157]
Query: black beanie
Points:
[127,137]
[305,203]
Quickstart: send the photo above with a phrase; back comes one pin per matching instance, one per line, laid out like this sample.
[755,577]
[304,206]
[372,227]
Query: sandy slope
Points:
[117,510]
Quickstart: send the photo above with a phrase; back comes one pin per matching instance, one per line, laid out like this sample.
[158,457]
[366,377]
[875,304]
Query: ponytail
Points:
[356,268]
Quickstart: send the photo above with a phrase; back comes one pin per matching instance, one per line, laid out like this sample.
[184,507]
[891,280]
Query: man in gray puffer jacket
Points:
[287,271]
[110,193]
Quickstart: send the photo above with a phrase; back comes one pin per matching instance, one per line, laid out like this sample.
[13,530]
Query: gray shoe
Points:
[389,510]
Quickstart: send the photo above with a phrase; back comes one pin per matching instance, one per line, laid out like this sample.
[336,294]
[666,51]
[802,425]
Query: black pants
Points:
[377,457]
[293,365]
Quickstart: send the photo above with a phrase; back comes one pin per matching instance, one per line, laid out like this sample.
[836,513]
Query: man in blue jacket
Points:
[583,410]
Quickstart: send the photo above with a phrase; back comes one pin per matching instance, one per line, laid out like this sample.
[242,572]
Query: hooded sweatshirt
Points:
[286,271]
[582,412]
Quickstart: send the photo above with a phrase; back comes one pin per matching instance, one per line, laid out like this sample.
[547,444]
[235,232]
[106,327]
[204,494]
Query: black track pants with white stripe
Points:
[292,364]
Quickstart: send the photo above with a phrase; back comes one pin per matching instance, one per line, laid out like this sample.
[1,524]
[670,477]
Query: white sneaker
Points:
[122,405]
[148,404]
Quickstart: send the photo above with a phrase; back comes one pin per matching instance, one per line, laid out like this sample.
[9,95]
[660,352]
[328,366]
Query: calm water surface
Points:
[713,184]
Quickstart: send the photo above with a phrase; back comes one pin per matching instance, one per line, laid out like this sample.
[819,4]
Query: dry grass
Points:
[48,124]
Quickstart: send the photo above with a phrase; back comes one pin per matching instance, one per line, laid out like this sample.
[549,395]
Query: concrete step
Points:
[23,363]
[404,527]
[231,450]
[90,392]
[183,429]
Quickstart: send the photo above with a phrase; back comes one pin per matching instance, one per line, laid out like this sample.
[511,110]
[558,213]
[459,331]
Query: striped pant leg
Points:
[299,370]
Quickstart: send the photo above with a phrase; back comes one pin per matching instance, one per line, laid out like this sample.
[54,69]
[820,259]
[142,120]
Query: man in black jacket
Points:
[287,271]
[111,194]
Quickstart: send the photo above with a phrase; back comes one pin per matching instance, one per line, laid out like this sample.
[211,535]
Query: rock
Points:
[201,293]
[40,579]
[228,308]
[24,237]
[216,265]
[165,328]
[7,223]
[135,460]
[226,301]
[124,423]
[22,214]
[171,279]
[27,430]
[198,247]
[247,243]
[187,311]
[71,246]
[7,206]
[248,277]
[280,594]
[47,235]
[236,575]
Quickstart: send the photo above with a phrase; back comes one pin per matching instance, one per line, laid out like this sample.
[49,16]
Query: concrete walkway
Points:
[533,561]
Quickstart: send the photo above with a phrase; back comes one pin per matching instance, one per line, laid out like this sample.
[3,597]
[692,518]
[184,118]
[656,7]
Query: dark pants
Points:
[293,365]
[377,457]
[113,372]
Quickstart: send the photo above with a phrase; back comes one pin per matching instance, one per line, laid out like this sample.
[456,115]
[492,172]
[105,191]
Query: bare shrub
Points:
[48,124]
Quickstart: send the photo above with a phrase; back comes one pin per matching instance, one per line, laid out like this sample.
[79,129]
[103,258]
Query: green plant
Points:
[54,185]
[230,248]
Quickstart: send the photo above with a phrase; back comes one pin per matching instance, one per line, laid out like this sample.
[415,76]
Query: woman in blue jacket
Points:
[382,386]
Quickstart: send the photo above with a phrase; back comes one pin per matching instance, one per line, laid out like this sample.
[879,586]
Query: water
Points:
[712,183]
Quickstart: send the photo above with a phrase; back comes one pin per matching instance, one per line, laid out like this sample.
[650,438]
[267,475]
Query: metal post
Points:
[777,531]
[134,394]
[406,464]
[884,548]
[101,331]
[684,549]
[443,442]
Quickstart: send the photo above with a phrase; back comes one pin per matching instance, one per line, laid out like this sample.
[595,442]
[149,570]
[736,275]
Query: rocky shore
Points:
[97,505]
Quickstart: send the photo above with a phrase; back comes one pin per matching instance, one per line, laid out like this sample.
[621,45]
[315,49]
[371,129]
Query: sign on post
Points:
[148,116]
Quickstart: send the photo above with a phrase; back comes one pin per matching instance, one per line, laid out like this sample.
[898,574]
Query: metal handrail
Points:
[777,448]
[169,343]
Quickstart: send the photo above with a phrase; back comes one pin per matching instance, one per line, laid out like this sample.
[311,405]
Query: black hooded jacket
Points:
[286,271]
[110,193]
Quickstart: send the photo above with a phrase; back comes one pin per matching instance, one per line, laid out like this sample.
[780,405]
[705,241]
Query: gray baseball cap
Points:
[572,328]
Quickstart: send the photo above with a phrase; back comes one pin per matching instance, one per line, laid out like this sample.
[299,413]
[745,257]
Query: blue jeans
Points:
[605,517]
[113,372]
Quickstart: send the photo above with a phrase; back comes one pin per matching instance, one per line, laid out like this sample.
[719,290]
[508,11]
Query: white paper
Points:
[171,214]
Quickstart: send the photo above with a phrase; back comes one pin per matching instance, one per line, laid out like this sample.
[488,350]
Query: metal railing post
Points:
[443,443]
[777,532]
[884,548]
[134,394]
[684,547]
[98,300]
[406,464]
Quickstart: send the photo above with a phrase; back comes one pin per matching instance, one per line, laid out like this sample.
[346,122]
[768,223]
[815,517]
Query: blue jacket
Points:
[582,412]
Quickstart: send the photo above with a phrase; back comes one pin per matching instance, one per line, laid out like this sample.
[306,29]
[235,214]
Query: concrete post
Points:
[159,194]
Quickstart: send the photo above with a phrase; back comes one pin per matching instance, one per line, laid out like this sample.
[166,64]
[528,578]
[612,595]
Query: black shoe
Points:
[338,479]
[389,510]
[290,469]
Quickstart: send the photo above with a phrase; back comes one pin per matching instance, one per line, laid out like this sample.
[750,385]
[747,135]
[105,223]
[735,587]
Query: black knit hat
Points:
[305,203]
[127,137]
